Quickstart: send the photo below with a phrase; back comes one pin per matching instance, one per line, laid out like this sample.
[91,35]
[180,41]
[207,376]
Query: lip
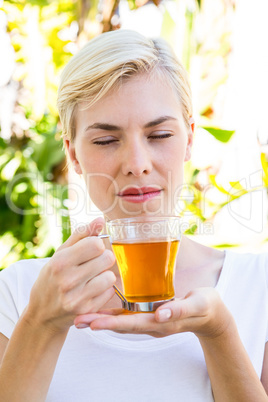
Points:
[139,194]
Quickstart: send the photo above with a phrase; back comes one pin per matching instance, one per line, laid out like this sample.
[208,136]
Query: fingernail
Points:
[164,314]
[81,325]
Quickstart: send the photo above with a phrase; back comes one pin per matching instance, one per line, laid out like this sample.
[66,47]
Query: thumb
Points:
[90,229]
[194,304]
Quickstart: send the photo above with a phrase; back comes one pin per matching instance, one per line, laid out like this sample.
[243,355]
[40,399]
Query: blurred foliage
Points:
[219,134]
[33,180]
[33,183]
[33,218]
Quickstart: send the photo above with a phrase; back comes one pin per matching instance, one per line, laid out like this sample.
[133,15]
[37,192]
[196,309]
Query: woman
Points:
[125,107]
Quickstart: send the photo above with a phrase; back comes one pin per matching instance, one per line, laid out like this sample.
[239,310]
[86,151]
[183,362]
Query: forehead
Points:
[140,98]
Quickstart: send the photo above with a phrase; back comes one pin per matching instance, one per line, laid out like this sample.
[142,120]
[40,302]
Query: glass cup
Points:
[145,248]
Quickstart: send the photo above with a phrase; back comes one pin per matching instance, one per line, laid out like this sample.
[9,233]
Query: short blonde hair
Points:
[107,59]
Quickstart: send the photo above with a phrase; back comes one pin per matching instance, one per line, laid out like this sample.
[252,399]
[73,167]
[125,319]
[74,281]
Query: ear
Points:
[190,140]
[70,150]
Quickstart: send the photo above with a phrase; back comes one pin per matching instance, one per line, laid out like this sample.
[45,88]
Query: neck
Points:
[192,254]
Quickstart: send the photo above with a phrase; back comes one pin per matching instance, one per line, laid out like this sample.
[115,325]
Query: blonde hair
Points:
[107,59]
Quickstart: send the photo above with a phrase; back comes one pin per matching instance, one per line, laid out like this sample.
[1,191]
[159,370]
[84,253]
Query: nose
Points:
[136,159]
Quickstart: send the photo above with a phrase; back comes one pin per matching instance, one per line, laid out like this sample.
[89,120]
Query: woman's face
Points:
[130,147]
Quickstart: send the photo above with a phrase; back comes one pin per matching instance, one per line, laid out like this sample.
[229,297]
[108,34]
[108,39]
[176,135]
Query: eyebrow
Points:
[111,127]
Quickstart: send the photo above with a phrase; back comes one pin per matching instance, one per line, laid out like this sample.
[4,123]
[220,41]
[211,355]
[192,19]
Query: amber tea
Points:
[147,269]
[145,248]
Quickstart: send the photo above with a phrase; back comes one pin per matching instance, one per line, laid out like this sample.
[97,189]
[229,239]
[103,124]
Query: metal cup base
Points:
[143,307]
[139,307]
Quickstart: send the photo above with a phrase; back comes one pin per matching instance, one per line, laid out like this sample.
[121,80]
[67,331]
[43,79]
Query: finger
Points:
[86,250]
[130,323]
[80,278]
[99,301]
[83,320]
[91,229]
[98,285]
[90,269]
[86,319]
[115,311]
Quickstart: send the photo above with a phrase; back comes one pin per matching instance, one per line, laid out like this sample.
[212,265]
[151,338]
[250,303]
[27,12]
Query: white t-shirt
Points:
[103,366]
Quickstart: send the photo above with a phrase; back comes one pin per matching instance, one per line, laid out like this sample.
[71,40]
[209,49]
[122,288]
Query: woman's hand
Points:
[201,312]
[76,280]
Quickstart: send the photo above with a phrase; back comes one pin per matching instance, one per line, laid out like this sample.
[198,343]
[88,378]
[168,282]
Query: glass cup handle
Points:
[117,291]
[119,294]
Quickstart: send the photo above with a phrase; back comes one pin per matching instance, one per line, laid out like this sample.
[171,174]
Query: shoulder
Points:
[16,283]
[27,265]
[232,265]
[193,253]
[24,271]
[247,261]
[247,273]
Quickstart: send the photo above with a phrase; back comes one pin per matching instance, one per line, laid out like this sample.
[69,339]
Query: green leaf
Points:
[212,179]
[225,245]
[219,134]
[48,153]
[39,3]
[265,168]
[239,189]
[191,230]
[132,4]
[168,27]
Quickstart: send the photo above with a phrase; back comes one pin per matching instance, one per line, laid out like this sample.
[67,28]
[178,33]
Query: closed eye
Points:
[151,137]
[104,142]
[160,136]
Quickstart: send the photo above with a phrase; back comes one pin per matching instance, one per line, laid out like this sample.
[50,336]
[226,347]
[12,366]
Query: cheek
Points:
[101,188]
[88,162]
[95,162]
[173,166]
[173,158]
